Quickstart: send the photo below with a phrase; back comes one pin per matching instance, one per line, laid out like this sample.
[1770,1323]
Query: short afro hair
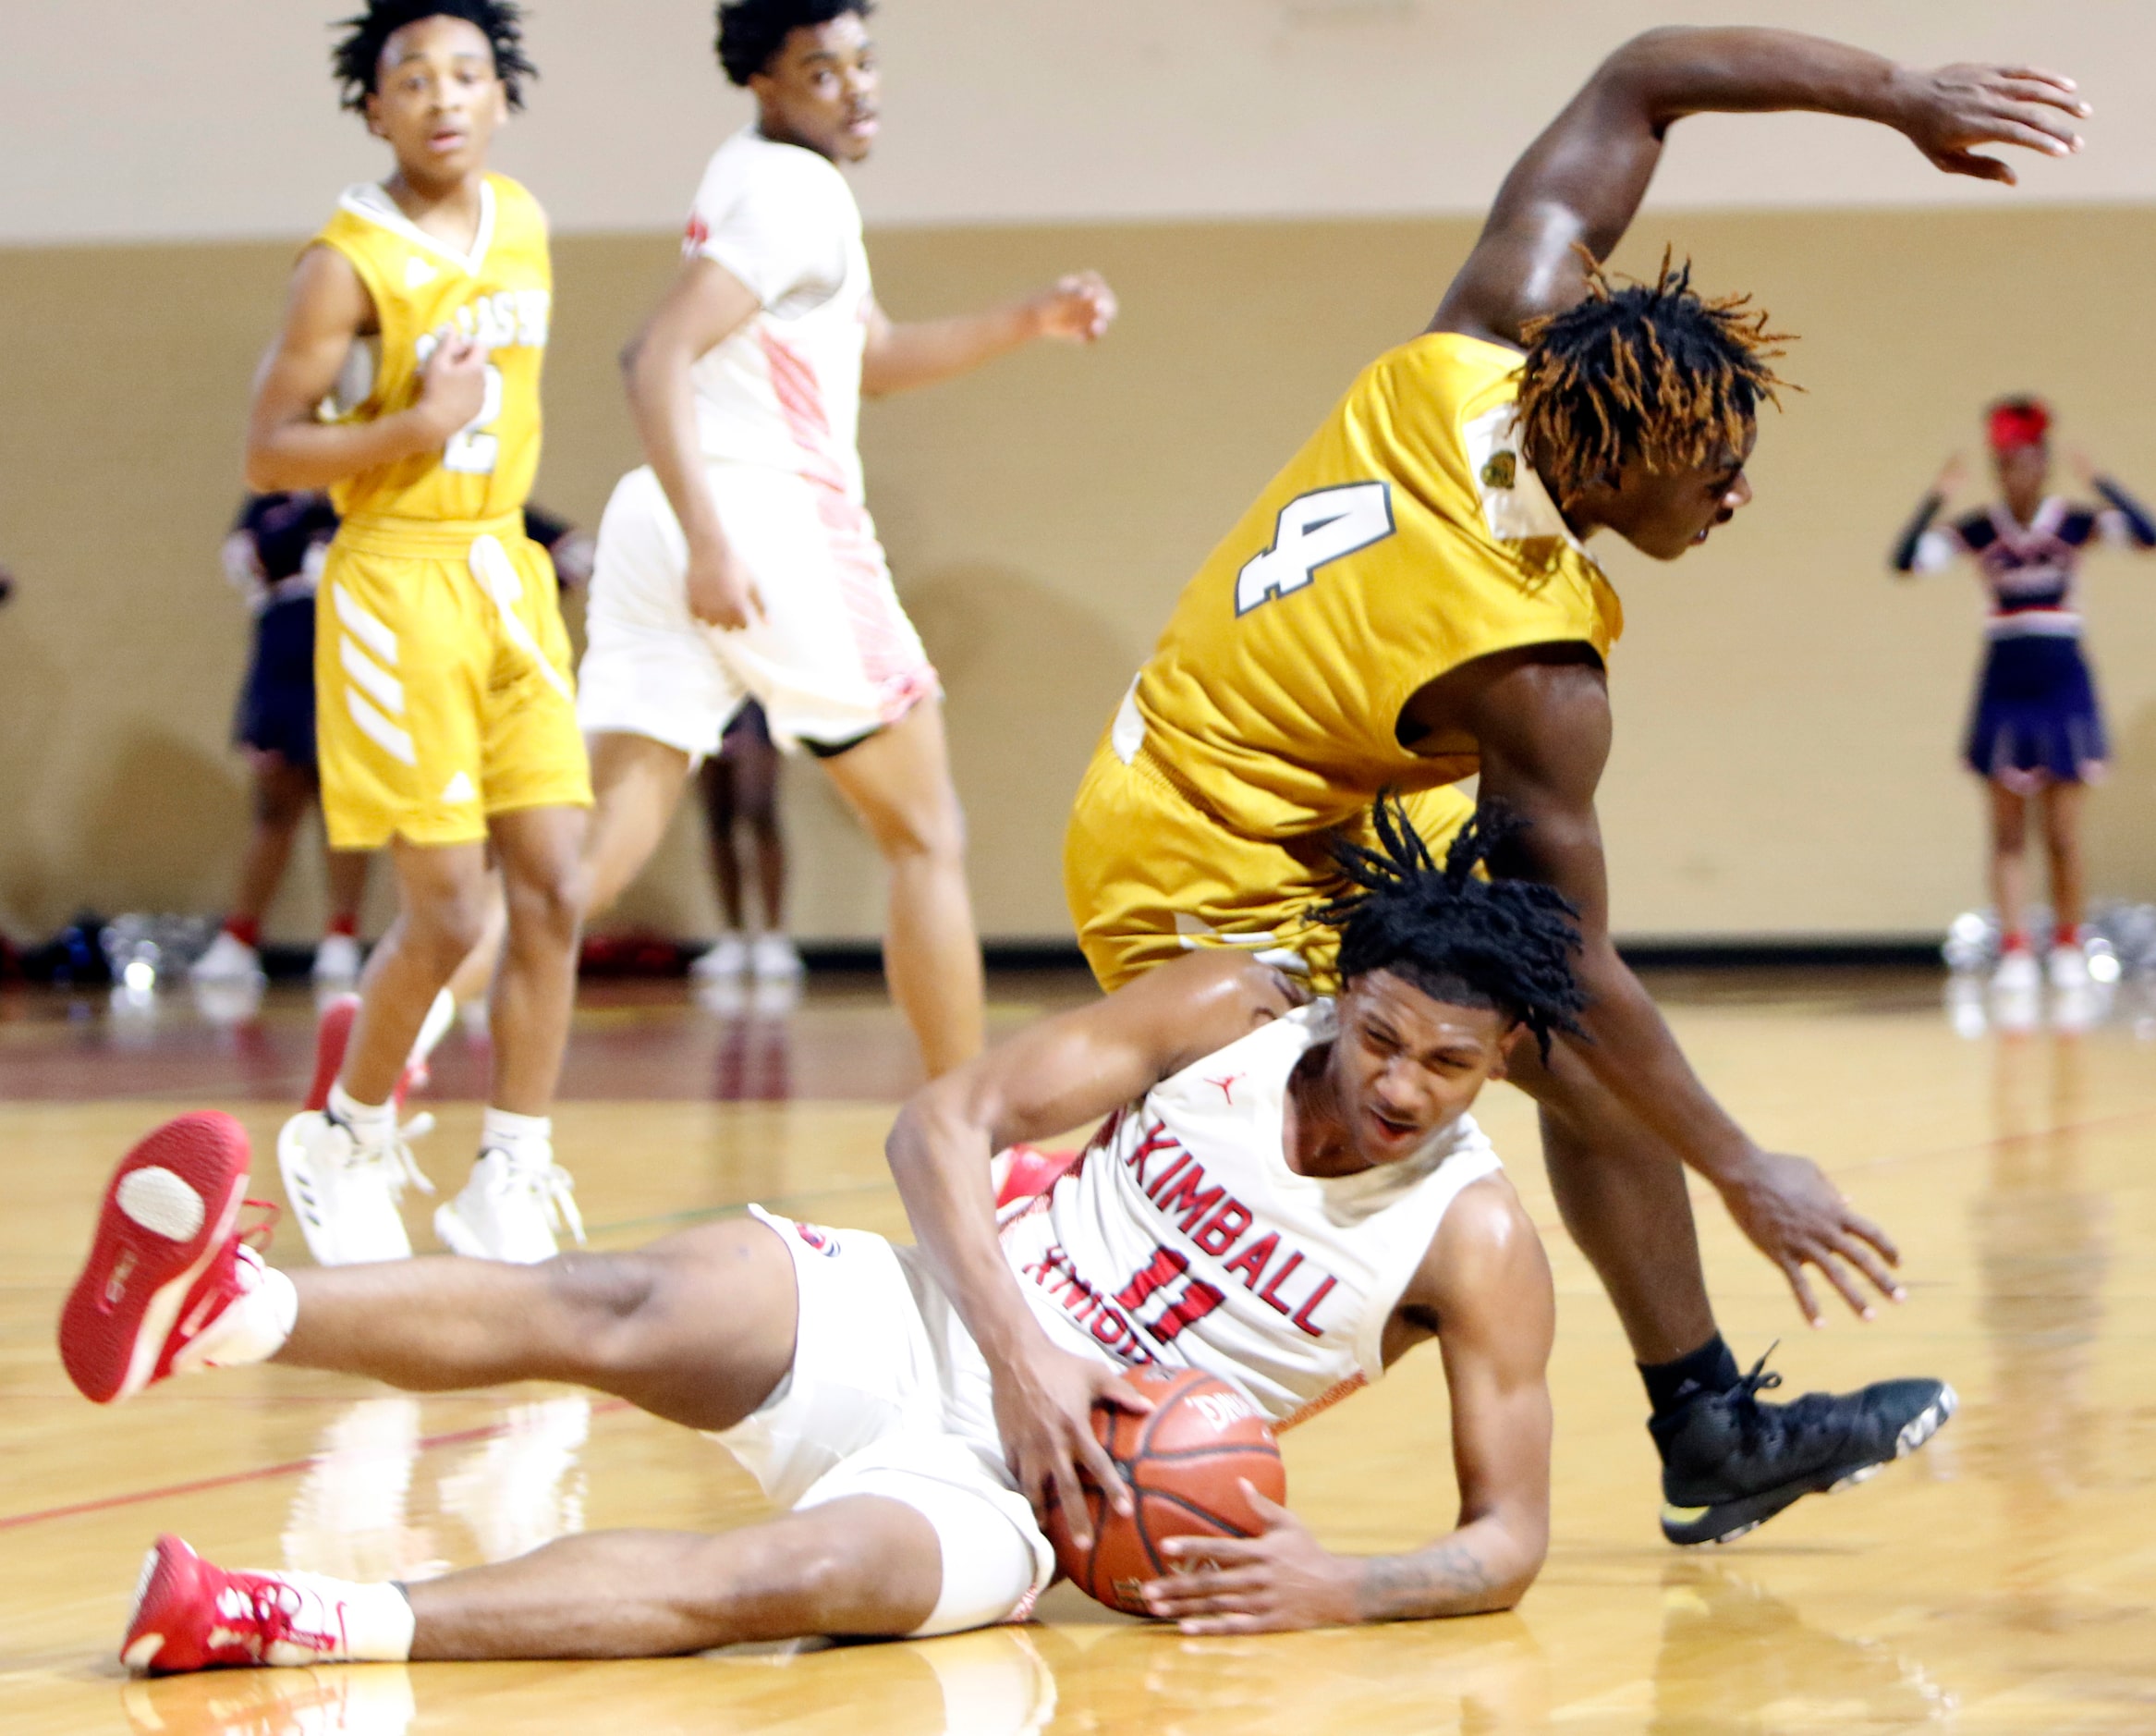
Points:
[357,58]
[1653,370]
[1461,940]
[753,31]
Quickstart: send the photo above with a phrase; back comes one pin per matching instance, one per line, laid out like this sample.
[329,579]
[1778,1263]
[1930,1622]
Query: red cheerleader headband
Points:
[2021,422]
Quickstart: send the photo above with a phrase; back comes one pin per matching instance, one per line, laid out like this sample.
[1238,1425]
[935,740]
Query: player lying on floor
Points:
[1287,1194]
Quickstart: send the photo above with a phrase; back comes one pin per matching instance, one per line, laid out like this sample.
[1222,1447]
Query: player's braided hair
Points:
[1652,369]
[357,58]
[752,31]
[1467,941]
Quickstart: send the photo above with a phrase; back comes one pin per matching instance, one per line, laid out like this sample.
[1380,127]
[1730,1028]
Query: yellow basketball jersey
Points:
[1407,538]
[425,289]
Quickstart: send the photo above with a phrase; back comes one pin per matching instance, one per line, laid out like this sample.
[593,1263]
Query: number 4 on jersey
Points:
[1312,531]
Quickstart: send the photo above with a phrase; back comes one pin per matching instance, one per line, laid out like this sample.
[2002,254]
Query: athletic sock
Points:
[521,1138]
[371,1124]
[246,930]
[254,1327]
[440,1015]
[373,1623]
[349,926]
[2014,940]
[1671,1386]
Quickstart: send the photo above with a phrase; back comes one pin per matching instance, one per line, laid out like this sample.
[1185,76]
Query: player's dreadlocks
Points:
[1470,942]
[1652,369]
[752,31]
[357,58]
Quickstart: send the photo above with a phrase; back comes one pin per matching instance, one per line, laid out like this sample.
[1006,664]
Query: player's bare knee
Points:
[930,830]
[548,901]
[607,1302]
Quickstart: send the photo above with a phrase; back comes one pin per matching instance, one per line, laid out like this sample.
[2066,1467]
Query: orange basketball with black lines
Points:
[1186,1464]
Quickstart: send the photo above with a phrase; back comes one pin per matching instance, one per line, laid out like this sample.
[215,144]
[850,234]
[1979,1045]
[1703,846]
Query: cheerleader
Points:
[2034,734]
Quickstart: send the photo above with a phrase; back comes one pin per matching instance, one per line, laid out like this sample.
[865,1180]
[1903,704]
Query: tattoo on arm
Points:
[1444,1579]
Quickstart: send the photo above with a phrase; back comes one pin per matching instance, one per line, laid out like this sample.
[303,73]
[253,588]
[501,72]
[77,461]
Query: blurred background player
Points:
[740,795]
[273,556]
[2036,734]
[446,723]
[741,561]
[1411,603]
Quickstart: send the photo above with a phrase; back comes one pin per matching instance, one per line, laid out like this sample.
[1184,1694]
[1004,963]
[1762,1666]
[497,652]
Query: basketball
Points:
[1185,1463]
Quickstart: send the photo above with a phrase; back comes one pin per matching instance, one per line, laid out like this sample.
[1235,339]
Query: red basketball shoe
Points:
[333,1035]
[192,1615]
[168,1213]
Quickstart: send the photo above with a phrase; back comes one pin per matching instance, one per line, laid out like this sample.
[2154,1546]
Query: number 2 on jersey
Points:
[1312,531]
[471,449]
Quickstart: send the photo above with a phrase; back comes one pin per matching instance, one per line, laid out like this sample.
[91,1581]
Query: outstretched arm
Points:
[1920,548]
[1077,309]
[1579,183]
[2125,521]
[1063,1072]
[1541,717]
[1486,1285]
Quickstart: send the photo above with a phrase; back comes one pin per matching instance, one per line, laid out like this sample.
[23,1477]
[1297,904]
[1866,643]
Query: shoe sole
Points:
[1727,1521]
[154,1593]
[170,1206]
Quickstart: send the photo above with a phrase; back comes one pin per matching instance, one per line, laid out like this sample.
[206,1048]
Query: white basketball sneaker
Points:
[724,961]
[511,1207]
[772,958]
[2017,973]
[344,1195]
[2068,967]
[337,961]
[227,959]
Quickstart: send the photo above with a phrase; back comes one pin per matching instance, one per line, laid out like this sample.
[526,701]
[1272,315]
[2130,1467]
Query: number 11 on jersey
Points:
[1312,531]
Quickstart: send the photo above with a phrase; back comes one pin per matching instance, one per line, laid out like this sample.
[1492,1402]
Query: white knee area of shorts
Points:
[987,1567]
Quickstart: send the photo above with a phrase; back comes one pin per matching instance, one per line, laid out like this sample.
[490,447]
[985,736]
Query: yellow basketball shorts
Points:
[443,691]
[1151,875]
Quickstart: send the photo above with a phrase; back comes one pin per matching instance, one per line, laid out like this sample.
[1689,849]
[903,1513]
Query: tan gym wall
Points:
[1787,714]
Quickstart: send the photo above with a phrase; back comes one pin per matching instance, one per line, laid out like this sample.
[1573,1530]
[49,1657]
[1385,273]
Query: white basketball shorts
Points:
[832,661]
[889,1395]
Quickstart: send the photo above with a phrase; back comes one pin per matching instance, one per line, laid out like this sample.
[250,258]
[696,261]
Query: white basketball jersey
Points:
[784,390]
[1181,1237]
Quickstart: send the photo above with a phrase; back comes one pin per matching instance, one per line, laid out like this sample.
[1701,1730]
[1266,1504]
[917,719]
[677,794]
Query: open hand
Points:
[1282,1578]
[2083,467]
[1952,476]
[1044,1414]
[1798,1219]
[1948,112]
[1077,309]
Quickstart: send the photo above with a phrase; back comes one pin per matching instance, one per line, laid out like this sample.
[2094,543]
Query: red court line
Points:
[455,1437]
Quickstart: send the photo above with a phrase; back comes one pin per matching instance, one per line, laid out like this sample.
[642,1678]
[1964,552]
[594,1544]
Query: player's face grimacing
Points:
[820,90]
[437,100]
[1664,513]
[1404,1064]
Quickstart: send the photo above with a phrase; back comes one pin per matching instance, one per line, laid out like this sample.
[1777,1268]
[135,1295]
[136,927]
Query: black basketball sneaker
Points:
[1730,1463]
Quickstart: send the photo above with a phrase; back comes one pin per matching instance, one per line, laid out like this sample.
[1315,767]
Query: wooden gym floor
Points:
[2004,1580]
